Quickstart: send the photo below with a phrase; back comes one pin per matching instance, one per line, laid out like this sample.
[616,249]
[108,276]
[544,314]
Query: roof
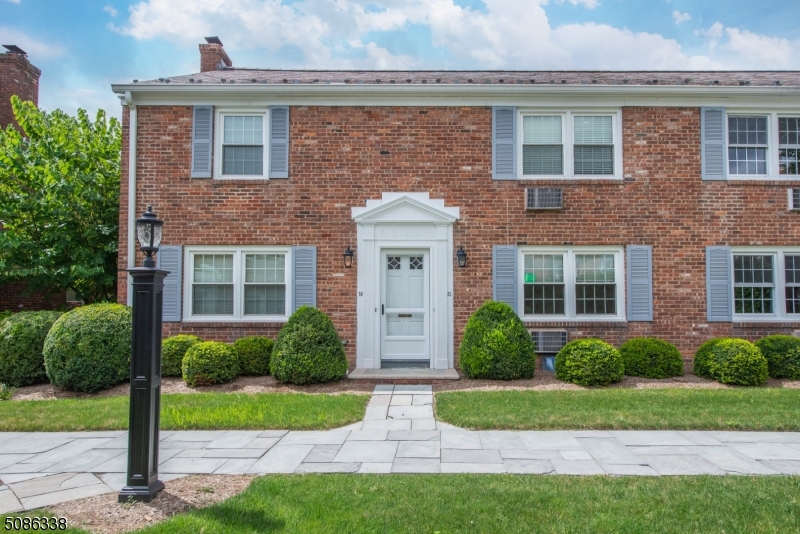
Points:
[418,77]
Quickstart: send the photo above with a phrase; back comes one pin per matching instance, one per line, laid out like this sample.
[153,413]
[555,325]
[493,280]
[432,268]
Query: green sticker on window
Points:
[530,278]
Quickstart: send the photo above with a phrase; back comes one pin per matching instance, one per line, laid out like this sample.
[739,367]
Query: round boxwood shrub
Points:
[783,355]
[89,348]
[308,349]
[209,362]
[589,362]
[649,357]
[496,345]
[173,350]
[737,361]
[22,338]
[702,358]
[254,353]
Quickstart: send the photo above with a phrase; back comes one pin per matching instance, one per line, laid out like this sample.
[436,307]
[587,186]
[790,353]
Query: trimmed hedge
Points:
[173,349]
[731,361]
[5,315]
[496,345]
[89,348]
[254,354]
[649,357]
[209,362]
[589,362]
[308,350]
[783,355]
[22,338]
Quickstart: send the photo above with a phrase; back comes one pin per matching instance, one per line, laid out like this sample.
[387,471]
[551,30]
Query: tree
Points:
[59,201]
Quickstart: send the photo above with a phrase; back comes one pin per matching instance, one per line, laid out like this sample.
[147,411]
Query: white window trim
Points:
[773,142]
[569,282]
[779,302]
[238,284]
[219,113]
[568,142]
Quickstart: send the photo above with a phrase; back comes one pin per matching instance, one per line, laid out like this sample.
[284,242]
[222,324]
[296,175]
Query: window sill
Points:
[221,321]
[564,323]
[229,324]
[766,180]
[572,179]
[760,323]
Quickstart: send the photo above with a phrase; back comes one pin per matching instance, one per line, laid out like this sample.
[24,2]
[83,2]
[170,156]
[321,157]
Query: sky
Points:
[82,47]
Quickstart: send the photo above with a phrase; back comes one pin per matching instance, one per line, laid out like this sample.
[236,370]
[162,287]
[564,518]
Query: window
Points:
[574,283]
[766,284]
[224,284]
[764,145]
[570,145]
[789,144]
[747,145]
[241,151]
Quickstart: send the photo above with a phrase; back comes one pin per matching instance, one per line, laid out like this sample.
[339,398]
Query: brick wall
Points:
[342,156]
[13,297]
[17,77]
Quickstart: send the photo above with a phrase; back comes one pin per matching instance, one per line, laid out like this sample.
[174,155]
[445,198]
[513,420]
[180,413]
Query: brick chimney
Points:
[17,77]
[212,55]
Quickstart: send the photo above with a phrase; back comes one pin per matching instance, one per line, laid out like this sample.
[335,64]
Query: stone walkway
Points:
[398,435]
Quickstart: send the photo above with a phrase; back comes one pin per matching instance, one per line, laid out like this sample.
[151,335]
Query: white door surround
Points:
[405,221]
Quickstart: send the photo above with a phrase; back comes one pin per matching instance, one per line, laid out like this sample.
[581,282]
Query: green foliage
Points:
[59,201]
[209,362]
[589,362]
[737,361]
[496,345]
[651,358]
[783,355]
[173,350]
[702,358]
[254,353]
[21,342]
[6,392]
[5,315]
[89,348]
[308,349]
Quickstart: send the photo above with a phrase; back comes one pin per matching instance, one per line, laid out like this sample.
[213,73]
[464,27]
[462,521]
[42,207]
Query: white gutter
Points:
[131,190]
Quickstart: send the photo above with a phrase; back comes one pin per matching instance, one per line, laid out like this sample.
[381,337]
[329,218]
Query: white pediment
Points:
[405,208]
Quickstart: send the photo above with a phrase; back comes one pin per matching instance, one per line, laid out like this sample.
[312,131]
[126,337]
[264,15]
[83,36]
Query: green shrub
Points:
[5,315]
[89,348]
[783,355]
[308,349]
[6,392]
[21,342]
[173,350]
[737,361]
[254,353]
[651,358]
[589,362]
[496,345]
[702,358]
[209,362]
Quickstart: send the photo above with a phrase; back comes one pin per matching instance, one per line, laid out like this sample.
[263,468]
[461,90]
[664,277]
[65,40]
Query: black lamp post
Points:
[348,257]
[145,404]
[461,257]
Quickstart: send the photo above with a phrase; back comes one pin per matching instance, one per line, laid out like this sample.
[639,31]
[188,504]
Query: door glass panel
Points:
[405,286]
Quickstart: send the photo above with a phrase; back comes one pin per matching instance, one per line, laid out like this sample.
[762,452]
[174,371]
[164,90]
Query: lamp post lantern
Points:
[145,403]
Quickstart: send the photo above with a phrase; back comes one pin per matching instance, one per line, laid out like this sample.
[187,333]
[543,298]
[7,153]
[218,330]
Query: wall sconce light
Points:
[461,257]
[348,257]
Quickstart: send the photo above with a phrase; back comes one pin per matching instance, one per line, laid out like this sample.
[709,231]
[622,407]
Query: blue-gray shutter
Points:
[201,141]
[504,275]
[504,134]
[718,284]
[304,276]
[170,258]
[640,282]
[279,142]
[712,135]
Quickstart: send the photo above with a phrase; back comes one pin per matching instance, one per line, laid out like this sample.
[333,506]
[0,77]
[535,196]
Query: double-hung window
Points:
[789,145]
[566,144]
[766,284]
[582,283]
[747,145]
[765,145]
[241,144]
[228,284]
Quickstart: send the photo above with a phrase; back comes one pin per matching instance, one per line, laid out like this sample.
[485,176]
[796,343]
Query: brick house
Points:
[597,204]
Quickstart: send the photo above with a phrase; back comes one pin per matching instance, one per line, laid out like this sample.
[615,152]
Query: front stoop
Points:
[404,376]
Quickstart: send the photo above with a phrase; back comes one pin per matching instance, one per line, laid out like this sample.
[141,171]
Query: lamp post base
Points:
[141,493]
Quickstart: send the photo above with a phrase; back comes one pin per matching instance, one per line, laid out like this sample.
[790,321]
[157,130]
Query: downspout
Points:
[131,190]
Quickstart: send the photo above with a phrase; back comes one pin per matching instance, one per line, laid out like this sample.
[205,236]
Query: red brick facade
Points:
[17,77]
[342,156]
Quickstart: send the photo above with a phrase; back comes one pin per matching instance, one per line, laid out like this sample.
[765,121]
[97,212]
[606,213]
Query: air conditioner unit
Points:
[543,198]
[546,344]
[794,199]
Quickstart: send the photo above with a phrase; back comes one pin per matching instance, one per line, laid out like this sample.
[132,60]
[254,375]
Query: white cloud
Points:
[111,10]
[679,17]
[507,34]
[34,48]
[13,1]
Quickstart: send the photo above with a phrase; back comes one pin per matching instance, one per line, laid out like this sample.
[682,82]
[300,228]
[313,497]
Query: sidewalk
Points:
[398,435]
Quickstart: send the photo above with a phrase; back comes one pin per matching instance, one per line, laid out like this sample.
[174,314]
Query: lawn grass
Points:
[623,409]
[500,503]
[193,411]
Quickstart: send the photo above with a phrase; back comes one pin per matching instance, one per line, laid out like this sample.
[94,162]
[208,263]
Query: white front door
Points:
[405,308]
